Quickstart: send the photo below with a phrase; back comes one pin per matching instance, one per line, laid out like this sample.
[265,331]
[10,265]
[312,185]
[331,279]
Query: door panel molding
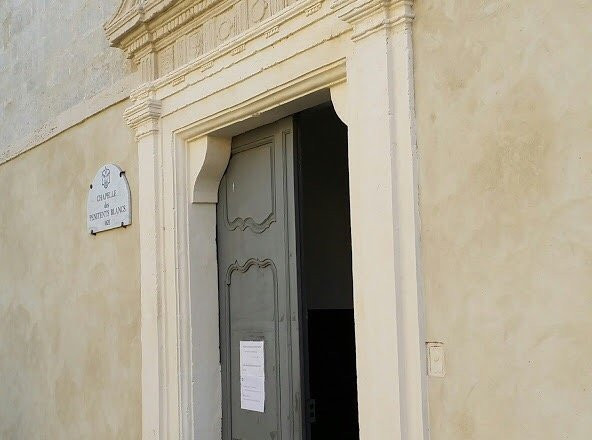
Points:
[249,222]
[243,268]
[248,307]
[225,304]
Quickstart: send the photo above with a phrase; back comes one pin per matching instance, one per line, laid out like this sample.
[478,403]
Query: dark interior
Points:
[325,276]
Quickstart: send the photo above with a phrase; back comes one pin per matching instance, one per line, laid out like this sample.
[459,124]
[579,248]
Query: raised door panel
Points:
[258,297]
[252,306]
[250,187]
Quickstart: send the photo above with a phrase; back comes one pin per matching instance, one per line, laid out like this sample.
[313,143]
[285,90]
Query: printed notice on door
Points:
[252,375]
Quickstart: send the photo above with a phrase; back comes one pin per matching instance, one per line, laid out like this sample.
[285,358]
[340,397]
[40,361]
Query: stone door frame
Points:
[359,55]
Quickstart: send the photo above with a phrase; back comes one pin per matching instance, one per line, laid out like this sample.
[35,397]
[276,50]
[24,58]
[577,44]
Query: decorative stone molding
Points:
[162,35]
[369,16]
[130,15]
[144,117]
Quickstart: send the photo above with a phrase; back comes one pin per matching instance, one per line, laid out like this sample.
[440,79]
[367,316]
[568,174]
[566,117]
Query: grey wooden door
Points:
[257,282]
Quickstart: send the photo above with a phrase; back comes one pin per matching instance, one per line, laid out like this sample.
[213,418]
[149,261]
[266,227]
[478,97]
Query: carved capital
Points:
[369,16]
[144,117]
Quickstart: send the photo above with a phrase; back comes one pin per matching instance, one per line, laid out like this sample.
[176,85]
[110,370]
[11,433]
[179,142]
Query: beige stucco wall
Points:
[69,302]
[505,138]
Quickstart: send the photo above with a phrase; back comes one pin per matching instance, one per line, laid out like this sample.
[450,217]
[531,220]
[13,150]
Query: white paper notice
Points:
[252,375]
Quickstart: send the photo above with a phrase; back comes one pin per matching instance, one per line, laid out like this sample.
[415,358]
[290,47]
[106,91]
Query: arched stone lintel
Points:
[208,158]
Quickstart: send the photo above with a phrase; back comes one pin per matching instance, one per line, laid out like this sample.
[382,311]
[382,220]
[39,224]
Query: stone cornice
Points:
[131,14]
[163,35]
[368,16]
[238,48]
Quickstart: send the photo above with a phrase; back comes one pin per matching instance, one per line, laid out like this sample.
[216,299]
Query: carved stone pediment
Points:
[162,35]
[132,14]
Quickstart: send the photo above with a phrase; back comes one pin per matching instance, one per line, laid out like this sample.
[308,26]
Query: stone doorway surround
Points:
[211,69]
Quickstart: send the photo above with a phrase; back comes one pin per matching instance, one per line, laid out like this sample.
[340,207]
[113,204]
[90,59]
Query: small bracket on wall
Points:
[435,359]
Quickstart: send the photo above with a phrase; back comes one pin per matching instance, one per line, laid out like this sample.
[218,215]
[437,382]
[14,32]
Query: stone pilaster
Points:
[384,215]
[144,118]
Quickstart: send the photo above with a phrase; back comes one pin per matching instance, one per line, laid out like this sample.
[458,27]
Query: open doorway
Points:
[325,276]
[284,250]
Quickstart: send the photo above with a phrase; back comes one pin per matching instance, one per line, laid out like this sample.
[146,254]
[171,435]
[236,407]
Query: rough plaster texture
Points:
[504,131]
[69,302]
[53,55]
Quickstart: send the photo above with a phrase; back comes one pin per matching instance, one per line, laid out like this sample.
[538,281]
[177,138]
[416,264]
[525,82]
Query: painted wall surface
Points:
[53,55]
[505,139]
[69,302]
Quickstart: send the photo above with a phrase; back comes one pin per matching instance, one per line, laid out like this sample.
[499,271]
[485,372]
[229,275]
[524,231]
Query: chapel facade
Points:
[295,219]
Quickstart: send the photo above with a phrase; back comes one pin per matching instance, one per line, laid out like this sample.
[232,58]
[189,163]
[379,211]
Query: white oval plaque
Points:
[109,200]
